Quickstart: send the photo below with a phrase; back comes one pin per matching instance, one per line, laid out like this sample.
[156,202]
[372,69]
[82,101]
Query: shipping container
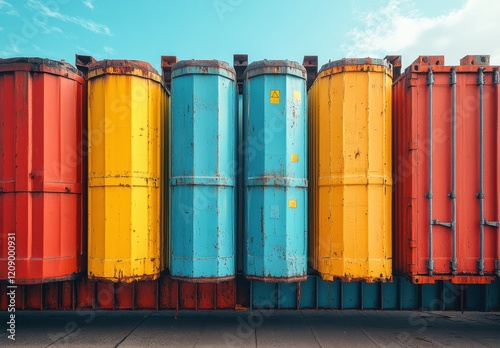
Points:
[275,171]
[42,176]
[203,164]
[128,109]
[446,166]
[350,170]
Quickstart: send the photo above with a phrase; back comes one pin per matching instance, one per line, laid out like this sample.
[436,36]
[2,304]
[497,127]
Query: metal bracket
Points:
[82,63]
[480,195]
[481,80]
[452,195]
[491,223]
[429,195]
[310,63]
[240,63]
[396,65]
[166,68]
[453,76]
[445,224]
[454,266]
[496,76]
[430,77]
[430,266]
[480,267]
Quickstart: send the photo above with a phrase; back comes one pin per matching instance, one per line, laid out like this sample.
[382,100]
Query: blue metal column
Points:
[203,204]
[275,171]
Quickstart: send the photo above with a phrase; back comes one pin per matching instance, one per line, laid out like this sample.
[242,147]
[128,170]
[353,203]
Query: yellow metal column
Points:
[350,151]
[127,113]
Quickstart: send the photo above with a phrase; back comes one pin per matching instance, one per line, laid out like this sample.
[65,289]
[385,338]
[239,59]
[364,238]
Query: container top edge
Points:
[123,66]
[37,64]
[203,67]
[355,61]
[282,67]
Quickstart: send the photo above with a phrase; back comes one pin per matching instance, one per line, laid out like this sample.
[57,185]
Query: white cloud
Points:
[83,50]
[85,23]
[8,8]
[109,50]
[10,51]
[395,29]
[89,3]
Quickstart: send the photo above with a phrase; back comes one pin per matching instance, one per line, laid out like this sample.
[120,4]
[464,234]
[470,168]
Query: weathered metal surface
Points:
[350,170]
[82,63]
[203,203]
[310,63]
[241,294]
[396,65]
[275,171]
[122,67]
[128,113]
[275,67]
[240,63]
[461,94]
[42,123]
[475,60]
[166,68]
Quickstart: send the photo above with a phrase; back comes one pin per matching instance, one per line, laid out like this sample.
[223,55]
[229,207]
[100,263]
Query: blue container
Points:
[203,163]
[275,171]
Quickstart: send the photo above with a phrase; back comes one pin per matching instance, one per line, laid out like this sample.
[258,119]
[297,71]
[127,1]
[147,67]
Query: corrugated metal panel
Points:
[275,171]
[350,170]
[203,195]
[241,294]
[127,113]
[447,212]
[42,108]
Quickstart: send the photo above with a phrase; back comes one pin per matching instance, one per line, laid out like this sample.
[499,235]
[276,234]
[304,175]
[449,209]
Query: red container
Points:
[42,120]
[447,184]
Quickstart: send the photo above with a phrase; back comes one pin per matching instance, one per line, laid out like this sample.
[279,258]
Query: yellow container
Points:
[128,111]
[350,170]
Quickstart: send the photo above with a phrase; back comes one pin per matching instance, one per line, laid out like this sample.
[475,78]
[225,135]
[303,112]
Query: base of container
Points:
[277,279]
[210,280]
[346,279]
[34,281]
[454,279]
[143,278]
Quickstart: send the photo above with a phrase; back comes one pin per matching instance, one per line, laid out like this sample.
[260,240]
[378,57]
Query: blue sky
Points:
[216,29]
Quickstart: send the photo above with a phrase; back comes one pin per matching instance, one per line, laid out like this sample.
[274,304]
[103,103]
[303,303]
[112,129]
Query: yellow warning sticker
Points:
[295,157]
[292,203]
[275,96]
[297,96]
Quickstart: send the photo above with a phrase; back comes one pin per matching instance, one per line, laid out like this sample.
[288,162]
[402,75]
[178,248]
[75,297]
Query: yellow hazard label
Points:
[275,96]
[295,157]
[292,203]
[297,96]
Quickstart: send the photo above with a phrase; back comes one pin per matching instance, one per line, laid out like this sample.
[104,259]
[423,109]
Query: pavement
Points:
[289,329]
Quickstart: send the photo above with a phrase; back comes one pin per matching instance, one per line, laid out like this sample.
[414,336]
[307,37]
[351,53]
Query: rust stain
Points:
[203,280]
[204,65]
[44,65]
[265,67]
[271,279]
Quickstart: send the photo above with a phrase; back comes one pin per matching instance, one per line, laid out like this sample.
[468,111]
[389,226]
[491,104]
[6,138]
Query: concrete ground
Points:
[259,329]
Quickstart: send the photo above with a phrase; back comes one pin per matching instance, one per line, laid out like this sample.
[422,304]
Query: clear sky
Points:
[281,29]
